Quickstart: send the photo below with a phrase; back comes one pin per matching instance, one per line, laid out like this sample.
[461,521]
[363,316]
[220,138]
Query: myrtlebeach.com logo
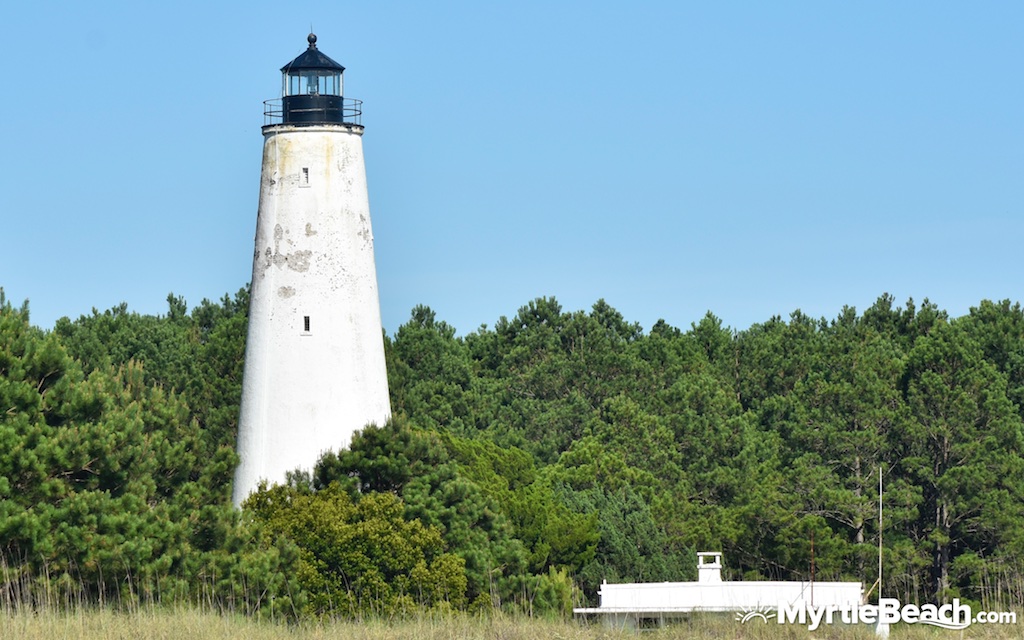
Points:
[888,611]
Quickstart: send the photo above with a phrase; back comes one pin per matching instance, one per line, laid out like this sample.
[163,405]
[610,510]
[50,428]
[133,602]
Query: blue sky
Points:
[749,159]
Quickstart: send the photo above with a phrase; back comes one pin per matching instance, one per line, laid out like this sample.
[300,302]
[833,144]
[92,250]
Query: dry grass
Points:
[193,624]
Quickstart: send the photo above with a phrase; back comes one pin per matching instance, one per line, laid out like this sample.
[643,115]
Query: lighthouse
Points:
[314,356]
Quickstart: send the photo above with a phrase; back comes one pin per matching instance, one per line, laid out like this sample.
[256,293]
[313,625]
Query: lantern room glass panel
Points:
[312,83]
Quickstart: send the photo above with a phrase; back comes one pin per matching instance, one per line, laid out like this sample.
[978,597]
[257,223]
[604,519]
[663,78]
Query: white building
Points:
[630,605]
[314,356]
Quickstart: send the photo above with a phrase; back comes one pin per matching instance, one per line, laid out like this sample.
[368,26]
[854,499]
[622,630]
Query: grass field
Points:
[193,624]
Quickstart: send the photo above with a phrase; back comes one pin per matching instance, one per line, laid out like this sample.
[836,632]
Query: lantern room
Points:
[312,88]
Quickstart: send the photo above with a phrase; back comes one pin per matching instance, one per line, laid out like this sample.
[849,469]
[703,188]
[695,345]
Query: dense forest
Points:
[525,463]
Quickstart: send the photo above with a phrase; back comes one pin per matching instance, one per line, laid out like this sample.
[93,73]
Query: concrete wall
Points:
[725,596]
[306,391]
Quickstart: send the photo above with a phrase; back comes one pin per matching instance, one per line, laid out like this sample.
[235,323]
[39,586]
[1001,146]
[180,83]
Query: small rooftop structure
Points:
[639,604]
[709,566]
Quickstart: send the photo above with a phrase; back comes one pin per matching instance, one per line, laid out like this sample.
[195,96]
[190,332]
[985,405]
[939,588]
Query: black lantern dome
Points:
[312,90]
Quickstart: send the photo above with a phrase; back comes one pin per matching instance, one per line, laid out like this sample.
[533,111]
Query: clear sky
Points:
[670,157]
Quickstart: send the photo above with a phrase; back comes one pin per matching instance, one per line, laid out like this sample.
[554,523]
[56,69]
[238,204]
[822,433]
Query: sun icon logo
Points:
[763,612]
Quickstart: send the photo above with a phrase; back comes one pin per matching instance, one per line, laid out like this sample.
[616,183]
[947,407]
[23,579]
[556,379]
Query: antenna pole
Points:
[812,567]
[879,533]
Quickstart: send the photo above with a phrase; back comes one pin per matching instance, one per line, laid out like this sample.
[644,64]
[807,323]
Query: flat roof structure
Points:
[633,605]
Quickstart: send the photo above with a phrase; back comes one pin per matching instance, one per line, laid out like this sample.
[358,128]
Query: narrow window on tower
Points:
[304,179]
[305,324]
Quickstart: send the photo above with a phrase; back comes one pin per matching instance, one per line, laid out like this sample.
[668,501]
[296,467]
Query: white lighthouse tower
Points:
[314,357]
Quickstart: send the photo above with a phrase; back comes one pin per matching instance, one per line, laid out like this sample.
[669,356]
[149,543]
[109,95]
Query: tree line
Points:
[524,464]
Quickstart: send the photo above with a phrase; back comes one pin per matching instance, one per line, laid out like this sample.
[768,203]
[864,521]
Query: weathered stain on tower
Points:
[314,356]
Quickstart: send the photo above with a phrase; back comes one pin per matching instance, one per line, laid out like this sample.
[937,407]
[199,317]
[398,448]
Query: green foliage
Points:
[197,356]
[555,536]
[753,441]
[547,454]
[417,466]
[106,481]
[632,547]
[962,447]
[361,557]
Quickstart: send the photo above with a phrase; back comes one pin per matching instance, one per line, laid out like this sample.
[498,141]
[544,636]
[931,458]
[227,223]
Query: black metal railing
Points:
[349,111]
